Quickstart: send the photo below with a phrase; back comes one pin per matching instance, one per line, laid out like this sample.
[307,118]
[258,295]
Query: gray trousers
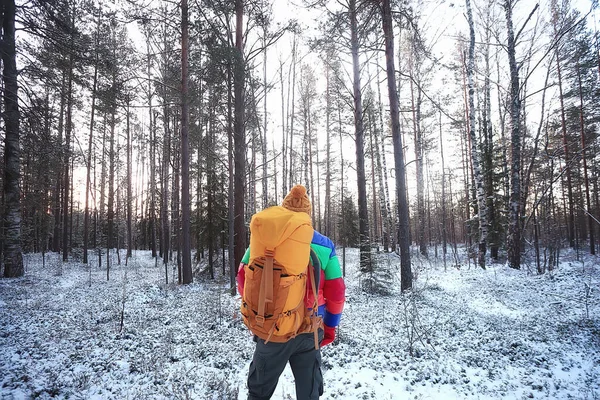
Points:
[270,359]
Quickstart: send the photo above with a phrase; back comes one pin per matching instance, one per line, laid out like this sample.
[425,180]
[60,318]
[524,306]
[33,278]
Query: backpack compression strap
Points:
[265,295]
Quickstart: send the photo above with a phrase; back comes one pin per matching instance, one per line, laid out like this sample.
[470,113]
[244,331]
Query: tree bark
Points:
[585,167]
[164,179]
[384,195]
[570,202]
[493,233]
[186,251]
[111,187]
[443,197]
[129,189]
[328,110]
[419,157]
[365,244]
[571,216]
[86,218]
[475,153]
[514,228]
[239,135]
[58,188]
[342,192]
[404,223]
[265,186]
[175,231]
[231,189]
[284,146]
[152,158]
[12,253]
[291,114]
[465,163]
[66,160]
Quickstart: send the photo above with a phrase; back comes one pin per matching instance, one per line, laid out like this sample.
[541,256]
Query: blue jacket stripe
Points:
[332,320]
[321,312]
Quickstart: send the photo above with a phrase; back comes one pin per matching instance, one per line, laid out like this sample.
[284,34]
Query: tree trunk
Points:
[152,166]
[239,136]
[404,225]
[265,186]
[186,250]
[419,156]
[465,163]
[305,156]
[375,232]
[111,187]
[384,204]
[12,254]
[503,141]
[365,243]
[251,203]
[58,188]
[493,234]
[231,189]
[211,229]
[475,153]
[71,204]
[291,114]
[129,199]
[45,203]
[164,179]
[342,191]
[66,160]
[514,217]
[284,147]
[585,167]
[175,232]
[328,218]
[570,202]
[86,218]
[443,197]
[199,191]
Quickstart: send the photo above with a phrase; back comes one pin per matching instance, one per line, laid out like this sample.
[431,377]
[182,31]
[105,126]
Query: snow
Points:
[461,334]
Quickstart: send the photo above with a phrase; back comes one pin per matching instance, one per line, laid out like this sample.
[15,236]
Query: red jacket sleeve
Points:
[241,278]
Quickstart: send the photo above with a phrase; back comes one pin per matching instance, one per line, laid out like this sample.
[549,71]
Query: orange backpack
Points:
[276,276]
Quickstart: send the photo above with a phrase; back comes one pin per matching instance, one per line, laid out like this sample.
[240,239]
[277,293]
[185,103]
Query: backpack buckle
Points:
[260,320]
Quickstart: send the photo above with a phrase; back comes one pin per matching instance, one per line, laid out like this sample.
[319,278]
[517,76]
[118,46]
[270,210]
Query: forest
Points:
[165,126]
[451,152]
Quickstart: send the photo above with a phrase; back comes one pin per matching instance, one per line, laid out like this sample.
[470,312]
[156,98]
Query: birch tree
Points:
[475,154]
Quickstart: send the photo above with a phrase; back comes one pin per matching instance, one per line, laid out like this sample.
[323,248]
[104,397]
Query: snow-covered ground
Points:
[66,332]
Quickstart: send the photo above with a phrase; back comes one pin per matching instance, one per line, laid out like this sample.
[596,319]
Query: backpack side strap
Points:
[266,287]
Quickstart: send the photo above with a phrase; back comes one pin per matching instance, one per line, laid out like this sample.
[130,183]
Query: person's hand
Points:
[329,335]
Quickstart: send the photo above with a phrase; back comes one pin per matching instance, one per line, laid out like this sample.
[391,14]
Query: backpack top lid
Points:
[288,232]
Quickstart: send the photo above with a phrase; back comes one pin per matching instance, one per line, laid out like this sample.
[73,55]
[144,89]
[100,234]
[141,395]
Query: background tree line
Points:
[166,125]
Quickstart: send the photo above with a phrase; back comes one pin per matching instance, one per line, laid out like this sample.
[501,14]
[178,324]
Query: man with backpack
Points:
[292,297]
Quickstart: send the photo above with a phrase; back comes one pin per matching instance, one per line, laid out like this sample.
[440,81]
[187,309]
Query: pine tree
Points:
[12,254]
[401,195]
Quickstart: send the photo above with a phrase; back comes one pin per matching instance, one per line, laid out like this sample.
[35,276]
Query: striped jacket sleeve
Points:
[334,289]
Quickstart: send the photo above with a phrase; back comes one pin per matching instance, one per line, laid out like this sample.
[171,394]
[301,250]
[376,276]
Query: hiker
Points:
[270,357]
